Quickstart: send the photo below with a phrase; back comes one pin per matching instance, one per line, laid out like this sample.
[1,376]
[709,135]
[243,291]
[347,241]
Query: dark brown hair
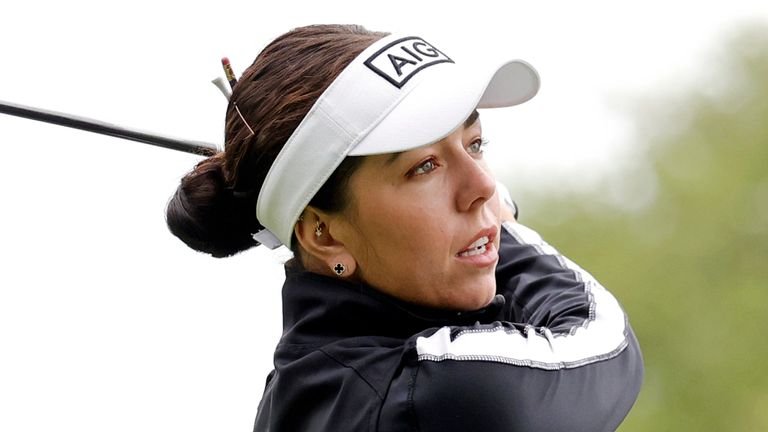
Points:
[214,207]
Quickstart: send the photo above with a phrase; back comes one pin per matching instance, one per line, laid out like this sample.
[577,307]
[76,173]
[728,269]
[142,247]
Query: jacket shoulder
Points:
[337,387]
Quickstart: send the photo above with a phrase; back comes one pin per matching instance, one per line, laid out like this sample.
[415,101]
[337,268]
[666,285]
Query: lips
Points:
[482,241]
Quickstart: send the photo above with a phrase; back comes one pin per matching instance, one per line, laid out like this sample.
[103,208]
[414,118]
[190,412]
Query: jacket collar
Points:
[320,309]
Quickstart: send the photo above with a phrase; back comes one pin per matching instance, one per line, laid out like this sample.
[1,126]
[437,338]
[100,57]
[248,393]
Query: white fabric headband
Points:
[398,94]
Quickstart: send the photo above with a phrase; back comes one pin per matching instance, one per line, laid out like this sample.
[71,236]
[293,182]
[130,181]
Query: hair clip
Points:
[243,119]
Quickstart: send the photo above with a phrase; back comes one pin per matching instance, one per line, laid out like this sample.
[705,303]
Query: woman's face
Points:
[424,224]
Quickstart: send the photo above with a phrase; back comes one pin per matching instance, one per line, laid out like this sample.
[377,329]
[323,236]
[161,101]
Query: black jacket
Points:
[552,352]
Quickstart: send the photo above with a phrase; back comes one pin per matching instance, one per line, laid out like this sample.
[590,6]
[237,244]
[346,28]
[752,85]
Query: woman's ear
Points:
[322,253]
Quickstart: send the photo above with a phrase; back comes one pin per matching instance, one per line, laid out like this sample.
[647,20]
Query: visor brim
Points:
[443,99]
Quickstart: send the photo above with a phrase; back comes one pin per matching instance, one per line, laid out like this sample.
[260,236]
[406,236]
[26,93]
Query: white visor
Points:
[398,94]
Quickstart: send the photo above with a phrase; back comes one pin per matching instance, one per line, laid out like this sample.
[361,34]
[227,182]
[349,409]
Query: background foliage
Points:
[681,238]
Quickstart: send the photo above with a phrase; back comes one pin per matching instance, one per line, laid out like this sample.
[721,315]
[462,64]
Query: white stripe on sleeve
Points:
[601,336]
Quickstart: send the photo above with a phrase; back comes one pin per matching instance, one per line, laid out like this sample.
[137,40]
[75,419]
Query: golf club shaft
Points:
[100,127]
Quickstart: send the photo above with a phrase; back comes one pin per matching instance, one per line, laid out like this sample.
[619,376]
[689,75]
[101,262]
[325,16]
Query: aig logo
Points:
[400,60]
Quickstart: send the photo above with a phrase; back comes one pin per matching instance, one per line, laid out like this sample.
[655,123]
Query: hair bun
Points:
[206,215]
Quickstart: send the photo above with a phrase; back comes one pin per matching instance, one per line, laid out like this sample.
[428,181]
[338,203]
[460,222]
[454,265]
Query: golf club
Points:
[97,126]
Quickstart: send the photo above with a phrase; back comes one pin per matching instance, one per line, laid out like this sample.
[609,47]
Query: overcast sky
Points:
[107,322]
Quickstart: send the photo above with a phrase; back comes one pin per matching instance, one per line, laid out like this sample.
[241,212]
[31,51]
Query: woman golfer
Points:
[414,300]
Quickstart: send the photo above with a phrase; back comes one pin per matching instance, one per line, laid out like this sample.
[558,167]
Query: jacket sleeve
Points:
[563,358]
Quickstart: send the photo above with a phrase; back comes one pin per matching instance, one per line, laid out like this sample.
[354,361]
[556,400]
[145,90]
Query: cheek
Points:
[404,232]
[401,243]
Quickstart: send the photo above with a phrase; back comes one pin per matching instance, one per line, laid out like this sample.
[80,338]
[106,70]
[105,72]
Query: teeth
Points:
[476,248]
[476,251]
[481,241]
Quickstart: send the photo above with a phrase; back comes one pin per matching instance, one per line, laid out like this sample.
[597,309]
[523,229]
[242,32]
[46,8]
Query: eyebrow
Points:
[472,119]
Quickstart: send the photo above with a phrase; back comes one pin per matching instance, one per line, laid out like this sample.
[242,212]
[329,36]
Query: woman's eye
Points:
[477,146]
[425,167]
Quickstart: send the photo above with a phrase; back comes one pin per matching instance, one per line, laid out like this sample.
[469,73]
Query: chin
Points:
[485,300]
[478,297]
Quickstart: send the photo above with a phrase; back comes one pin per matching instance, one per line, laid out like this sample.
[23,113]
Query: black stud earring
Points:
[339,269]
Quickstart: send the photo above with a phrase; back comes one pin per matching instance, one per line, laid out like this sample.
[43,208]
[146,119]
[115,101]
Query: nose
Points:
[476,184]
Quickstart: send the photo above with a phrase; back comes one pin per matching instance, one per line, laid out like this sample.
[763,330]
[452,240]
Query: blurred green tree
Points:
[690,264]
